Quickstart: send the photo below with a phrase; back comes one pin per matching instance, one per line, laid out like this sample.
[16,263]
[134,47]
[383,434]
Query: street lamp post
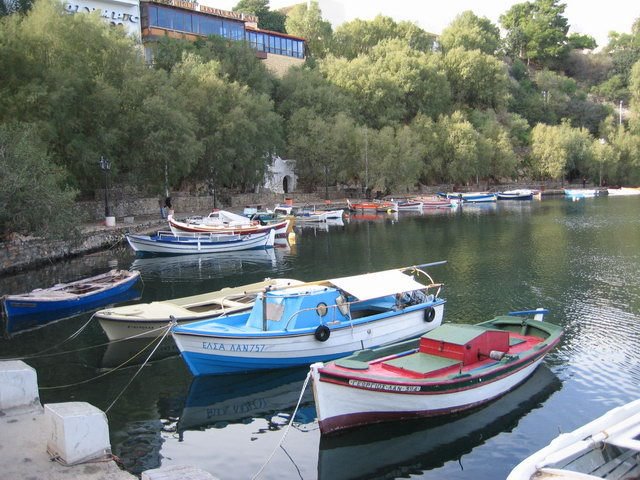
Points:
[105,166]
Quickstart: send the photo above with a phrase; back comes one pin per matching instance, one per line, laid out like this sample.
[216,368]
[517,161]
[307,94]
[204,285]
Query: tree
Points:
[303,87]
[634,89]
[559,150]
[578,41]
[471,32]
[358,37]
[477,80]
[237,61]
[305,20]
[394,156]
[536,31]
[227,115]
[391,84]
[267,19]
[34,193]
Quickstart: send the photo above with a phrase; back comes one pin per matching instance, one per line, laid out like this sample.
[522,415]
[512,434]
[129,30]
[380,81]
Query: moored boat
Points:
[43,305]
[471,197]
[167,243]
[422,445]
[449,369]
[581,192]
[608,447]
[371,206]
[436,201]
[316,321]
[519,194]
[410,206]
[148,319]
[623,191]
[177,227]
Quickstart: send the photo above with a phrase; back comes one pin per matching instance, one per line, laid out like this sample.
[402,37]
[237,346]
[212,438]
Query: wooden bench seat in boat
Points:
[450,345]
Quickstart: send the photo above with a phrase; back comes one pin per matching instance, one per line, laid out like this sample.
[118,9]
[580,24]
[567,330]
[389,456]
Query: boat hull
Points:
[221,354]
[349,407]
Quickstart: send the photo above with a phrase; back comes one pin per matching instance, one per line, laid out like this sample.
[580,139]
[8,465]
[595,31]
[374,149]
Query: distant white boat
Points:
[623,191]
[608,447]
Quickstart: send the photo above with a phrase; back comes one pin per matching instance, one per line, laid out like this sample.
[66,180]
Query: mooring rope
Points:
[286,430]
[43,353]
[155,339]
[173,323]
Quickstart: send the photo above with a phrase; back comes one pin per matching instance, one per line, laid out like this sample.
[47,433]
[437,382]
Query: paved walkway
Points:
[23,452]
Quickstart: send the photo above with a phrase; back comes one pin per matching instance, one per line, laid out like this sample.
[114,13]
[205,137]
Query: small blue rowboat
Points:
[42,306]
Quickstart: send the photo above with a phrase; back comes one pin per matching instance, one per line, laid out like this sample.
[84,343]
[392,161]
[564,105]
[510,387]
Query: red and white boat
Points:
[372,206]
[178,227]
[452,368]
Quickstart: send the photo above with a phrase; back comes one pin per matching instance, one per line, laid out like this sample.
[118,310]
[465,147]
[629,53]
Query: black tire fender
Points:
[322,333]
[429,314]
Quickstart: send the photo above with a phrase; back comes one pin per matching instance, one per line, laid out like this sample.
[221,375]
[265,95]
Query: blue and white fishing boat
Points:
[45,305]
[519,194]
[471,197]
[168,243]
[316,321]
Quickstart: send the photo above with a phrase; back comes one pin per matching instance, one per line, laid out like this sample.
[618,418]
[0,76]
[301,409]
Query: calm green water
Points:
[579,259]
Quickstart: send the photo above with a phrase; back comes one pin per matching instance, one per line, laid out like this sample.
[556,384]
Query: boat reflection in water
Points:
[325,226]
[135,351]
[218,400]
[202,267]
[385,450]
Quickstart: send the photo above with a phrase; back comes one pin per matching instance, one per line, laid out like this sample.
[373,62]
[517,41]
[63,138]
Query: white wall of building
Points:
[280,176]
[120,13]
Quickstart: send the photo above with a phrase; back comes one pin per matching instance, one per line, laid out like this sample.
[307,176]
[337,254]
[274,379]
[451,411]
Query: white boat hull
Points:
[343,406]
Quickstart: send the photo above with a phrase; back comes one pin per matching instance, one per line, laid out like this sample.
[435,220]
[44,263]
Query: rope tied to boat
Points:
[287,428]
[169,327]
[154,340]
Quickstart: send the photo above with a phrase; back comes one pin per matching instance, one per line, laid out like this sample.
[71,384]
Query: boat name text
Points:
[234,347]
[383,386]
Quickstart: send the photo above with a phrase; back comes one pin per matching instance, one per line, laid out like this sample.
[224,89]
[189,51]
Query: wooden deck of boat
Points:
[415,364]
[608,462]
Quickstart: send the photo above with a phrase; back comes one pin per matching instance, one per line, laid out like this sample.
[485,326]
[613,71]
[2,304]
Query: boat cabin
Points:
[309,306]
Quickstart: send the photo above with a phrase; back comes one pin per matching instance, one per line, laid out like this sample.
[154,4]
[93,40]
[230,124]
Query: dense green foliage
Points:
[378,105]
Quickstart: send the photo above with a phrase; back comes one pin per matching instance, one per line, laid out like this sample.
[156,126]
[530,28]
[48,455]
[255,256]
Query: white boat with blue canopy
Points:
[316,321]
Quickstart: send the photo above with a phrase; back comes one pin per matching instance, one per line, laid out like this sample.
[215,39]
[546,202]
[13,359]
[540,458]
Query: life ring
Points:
[322,333]
[429,314]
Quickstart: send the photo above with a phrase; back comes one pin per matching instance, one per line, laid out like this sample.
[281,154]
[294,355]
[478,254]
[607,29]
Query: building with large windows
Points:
[149,20]
[189,20]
